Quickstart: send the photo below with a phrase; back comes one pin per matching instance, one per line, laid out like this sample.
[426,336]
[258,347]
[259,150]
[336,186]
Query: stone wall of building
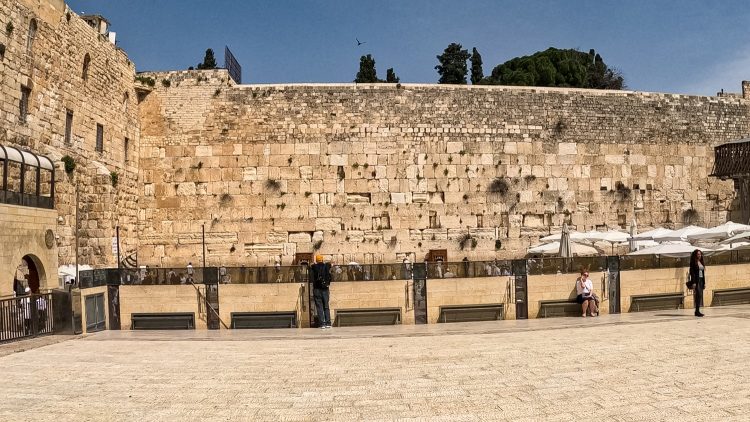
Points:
[45,46]
[27,232]
[372,173]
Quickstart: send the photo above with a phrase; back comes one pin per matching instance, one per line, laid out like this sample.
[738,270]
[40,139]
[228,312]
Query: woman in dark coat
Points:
[698,278]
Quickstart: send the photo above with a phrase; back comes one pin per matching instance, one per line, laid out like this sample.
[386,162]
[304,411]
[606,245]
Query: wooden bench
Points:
[163,321]
[736,296]
[368,316]
[559,308]
[656,302]
[264,319]
[468,313]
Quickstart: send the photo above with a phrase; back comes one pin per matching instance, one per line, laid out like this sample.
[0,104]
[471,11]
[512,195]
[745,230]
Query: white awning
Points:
[25,157]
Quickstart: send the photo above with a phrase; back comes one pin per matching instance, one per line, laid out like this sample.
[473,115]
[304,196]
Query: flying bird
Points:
[360,42]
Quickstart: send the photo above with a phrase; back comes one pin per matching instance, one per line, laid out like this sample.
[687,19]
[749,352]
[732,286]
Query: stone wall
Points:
[371,173]
[162,299]
[24,231]
[51,67]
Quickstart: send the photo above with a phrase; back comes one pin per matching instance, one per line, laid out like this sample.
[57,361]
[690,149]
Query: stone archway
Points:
[30,271]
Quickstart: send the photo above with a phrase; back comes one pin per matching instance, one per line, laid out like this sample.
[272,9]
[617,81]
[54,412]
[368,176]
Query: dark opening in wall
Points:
[86,63]
[99,138]
[68,126]
[23,106]
[434,222]
[31,35]
[2,51]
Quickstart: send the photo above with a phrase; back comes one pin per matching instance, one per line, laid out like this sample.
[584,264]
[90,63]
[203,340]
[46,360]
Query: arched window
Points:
[125,102]
[86,63]
[32,35]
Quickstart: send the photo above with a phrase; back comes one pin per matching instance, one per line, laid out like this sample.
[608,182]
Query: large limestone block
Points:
[328,224]
[203,151]
[338,159]
[300,238]
[454,147]
[567,148]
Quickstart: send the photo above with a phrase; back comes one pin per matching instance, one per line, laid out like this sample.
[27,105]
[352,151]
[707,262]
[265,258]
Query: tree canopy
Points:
[390,76]
[209,61]
[557,67]
[367,72]
[477,74]
[452,68]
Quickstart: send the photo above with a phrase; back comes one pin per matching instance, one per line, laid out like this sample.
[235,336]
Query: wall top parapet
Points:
[525,89]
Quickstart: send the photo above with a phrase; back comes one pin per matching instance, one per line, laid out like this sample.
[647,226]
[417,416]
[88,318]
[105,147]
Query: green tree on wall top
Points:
[209,61]
[557,68]
[477,74]
[452,68]
[367,72]
[390,76]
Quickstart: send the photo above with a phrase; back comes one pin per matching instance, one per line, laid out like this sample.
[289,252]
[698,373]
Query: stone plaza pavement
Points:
[663,365]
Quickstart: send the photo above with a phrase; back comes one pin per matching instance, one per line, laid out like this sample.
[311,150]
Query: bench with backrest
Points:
[367,316]
[467,313]
[559,308]
[655,302]
[286,319]
[735,296]
[163,321]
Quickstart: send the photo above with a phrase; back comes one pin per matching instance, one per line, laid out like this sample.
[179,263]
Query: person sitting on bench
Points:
[585,295]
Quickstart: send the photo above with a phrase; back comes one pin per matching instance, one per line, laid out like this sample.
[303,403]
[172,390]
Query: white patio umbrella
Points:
[611,236]
[733,246]
[650,234]
[553,248]
[639,244]
[566,249]
[721,231]
[680,235]
[737,238]
[671,249]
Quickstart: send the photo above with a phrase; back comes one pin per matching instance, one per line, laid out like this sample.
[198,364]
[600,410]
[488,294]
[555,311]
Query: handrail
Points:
[200,295]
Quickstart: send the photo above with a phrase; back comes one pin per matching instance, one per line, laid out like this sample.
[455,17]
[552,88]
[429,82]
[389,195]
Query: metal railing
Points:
[26,316]
[398,271]
[469,269]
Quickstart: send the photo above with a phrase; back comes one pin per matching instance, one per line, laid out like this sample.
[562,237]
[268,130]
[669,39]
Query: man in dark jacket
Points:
[320,275]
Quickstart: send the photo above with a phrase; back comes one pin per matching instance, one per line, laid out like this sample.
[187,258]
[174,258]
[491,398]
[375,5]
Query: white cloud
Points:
[726,74]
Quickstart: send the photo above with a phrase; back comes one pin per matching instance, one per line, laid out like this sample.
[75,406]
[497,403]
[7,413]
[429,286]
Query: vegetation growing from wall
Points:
[146,80]
[70,164]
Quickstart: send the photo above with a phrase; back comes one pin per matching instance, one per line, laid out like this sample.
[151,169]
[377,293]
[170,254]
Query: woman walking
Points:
[698,279]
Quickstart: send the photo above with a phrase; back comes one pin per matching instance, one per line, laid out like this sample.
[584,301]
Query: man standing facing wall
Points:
[320,274]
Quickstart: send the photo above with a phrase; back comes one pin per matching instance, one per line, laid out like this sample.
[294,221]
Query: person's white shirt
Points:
[584,288]
[41,303]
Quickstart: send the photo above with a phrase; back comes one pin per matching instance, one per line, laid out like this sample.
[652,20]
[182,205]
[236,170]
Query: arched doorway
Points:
[29,273]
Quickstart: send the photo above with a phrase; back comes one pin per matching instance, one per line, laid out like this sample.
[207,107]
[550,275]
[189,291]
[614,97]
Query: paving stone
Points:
[646,366]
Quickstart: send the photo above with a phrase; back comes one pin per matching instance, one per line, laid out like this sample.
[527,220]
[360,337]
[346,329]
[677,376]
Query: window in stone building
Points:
[480,221]
[86,63]
[2,51]
[32,35]
[434,223]
[622,220]
[24,103]
[68,126]
[125,101]
[99,138]
[126,147]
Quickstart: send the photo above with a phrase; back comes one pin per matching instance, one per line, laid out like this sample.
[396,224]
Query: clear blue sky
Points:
[681,46]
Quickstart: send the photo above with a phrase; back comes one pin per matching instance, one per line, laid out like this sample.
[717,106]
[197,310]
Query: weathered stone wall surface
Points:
[23,231]
[372,172]
[51,66]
